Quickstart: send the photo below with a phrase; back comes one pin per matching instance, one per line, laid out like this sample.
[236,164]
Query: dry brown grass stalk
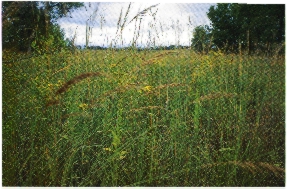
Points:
[142,13]
[119,21]
[62,69]
[52,102]
[126,17]
[75,80]
[122,26]
[252,167]
[152,60]
[121,60]
[142,58]
[278,171]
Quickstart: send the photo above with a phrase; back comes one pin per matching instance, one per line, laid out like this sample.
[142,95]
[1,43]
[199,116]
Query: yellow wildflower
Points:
[147,88]
[122,154]
[107,149]
[83,106]
[113,65]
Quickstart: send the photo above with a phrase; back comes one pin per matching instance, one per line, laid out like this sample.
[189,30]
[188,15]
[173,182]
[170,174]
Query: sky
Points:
[163,25]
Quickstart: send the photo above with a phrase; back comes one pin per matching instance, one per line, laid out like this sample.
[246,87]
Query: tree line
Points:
[241,28]
[31,25]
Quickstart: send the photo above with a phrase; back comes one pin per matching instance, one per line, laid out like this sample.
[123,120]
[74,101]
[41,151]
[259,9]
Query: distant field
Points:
[148,118]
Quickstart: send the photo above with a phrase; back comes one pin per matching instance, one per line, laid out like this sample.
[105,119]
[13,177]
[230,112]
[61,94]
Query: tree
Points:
[202,39]
[225,27]
[32,24]
[247,26]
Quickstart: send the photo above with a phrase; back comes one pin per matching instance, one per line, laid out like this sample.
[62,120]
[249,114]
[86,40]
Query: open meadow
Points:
[143,118]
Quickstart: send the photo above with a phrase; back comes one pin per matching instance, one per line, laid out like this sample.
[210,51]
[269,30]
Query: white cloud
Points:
[166,24]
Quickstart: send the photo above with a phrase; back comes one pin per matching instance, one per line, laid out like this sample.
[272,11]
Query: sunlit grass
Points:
[148,118]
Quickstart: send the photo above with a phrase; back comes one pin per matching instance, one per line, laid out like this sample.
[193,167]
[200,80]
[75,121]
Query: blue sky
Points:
[165,24]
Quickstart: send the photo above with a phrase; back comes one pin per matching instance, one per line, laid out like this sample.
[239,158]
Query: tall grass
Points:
[155,118]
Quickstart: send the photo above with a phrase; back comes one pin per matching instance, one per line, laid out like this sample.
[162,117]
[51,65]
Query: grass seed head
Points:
[75,80]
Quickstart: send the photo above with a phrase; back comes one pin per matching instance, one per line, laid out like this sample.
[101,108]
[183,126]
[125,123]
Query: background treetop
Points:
[32,24]
[248,26]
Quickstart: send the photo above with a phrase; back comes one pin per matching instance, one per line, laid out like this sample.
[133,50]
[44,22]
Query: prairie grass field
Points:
[143,118]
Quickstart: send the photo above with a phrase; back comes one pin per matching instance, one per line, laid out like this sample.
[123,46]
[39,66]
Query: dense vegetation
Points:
[124,117]
[243,27]
[30,25]
[117,118]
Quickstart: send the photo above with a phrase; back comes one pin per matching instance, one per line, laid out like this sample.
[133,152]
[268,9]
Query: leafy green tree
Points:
[225,27]
[32,24]
[202,39]
[247,26]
